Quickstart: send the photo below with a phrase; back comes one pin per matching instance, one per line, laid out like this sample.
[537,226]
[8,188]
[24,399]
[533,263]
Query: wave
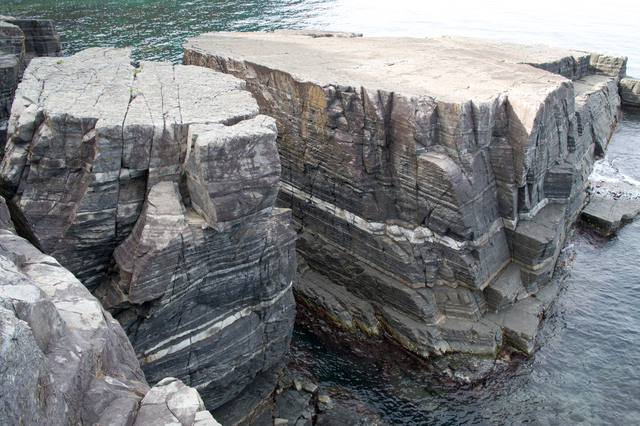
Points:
[608,181]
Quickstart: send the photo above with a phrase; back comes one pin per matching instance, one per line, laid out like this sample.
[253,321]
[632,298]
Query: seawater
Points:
[585,367]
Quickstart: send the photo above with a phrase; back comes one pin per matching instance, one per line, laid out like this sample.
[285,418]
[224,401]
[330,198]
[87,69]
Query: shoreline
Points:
[382,315]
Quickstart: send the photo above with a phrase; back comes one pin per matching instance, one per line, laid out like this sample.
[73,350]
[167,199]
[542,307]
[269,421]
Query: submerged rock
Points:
[430,180]
[611,205]
[156,187]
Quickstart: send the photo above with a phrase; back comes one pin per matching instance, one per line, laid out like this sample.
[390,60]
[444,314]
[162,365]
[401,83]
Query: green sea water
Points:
[157,29]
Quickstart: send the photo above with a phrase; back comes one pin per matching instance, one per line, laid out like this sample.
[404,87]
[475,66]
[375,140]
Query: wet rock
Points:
[156,187]
[325,403]
[425,173]
[291,405]
[346,310]
[464,367]
[309,387]
[607,215]
[252,405]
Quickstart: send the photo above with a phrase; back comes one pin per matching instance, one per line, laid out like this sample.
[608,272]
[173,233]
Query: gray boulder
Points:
[64,359]
[630,91]
[170,402]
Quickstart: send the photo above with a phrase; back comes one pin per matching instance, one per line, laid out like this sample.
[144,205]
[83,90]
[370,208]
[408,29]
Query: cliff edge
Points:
[432,181]
[156,187]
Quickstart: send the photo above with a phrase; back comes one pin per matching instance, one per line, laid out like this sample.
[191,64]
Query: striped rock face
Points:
[156,187]
[432,181]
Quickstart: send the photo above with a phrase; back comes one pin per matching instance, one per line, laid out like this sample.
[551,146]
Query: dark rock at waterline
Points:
[608,213]
[429,179]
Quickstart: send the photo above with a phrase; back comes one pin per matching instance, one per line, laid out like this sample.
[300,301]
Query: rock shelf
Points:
[432,181]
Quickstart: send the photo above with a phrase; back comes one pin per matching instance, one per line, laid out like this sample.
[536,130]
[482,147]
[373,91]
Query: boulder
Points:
[429,179]
[20,41]
[611,205]
[630,91]
[67,361]
[170,402]
[156,187]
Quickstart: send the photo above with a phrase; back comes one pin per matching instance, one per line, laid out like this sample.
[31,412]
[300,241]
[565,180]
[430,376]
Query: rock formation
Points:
[630,91]
[432,181]
[63,359]
[156,187]
[20,41]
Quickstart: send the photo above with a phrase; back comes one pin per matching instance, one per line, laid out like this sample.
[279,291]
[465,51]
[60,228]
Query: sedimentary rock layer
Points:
[431,180]
[64,360]
[156,187]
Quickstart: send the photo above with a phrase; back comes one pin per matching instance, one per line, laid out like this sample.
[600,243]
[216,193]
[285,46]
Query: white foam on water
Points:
[608,181]
[605,170]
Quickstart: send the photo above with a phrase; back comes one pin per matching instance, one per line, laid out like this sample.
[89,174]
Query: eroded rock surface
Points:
[156,187]
[20,41]
[630,91]
[64,359]
[431,180]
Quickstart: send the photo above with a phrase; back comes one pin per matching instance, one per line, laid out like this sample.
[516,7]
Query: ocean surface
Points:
[586,365]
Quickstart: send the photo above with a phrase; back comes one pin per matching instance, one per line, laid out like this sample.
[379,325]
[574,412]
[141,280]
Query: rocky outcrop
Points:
[156,187]
[20,41]
[67,361]
[170,402]
[40,37]
[64,359]
[612,204]
[432,181]
[630,91]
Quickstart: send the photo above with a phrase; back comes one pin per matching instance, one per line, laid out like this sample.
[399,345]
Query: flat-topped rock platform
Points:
[432,181]
[454,69]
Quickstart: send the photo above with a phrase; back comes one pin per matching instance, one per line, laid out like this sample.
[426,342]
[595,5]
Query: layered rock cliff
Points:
[156,187]
[432,181]
[20,41]
[64,360]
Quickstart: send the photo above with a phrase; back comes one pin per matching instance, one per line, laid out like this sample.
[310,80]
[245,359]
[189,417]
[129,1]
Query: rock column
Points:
[156,187]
